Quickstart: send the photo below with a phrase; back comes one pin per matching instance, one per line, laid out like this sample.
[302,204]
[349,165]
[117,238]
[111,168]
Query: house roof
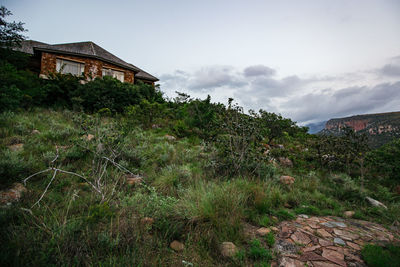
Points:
[87,49]
[145,75]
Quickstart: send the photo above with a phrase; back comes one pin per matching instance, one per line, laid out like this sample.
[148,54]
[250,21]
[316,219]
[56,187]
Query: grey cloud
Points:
[286,95]
[215,76]
[258,70]
[344,102]
[391,70]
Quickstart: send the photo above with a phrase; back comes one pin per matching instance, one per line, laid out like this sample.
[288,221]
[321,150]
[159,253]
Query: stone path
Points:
[327,241]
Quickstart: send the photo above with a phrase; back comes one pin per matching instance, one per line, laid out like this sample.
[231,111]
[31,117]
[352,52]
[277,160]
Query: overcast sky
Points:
[309,60]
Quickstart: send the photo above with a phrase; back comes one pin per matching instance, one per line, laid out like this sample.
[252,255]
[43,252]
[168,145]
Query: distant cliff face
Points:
[381,127]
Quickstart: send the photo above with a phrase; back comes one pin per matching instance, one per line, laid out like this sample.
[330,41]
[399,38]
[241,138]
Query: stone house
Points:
[81,58]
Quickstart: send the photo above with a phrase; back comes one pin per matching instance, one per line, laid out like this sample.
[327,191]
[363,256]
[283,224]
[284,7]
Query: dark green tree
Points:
[10,32]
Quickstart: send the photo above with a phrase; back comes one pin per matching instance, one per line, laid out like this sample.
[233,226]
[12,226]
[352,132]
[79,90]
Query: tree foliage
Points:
[10,32]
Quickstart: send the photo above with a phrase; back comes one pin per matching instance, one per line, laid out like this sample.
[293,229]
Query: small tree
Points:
[10,32]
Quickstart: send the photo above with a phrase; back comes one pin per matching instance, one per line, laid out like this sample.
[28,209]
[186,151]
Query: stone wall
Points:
[93,67]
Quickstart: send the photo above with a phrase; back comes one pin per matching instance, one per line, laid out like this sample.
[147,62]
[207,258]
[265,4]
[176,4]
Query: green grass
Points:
[189,202]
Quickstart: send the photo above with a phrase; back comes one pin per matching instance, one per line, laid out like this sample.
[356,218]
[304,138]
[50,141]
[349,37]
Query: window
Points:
[67,66]
[114,73]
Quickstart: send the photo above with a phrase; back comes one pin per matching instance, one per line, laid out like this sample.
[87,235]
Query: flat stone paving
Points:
[327,241]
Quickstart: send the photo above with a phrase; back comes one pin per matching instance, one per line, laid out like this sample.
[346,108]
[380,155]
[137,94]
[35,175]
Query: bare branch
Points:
[47,187]
[27,178]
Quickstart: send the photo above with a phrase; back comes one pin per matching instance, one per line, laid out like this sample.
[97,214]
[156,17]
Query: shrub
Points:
[13,167]
[257,252]
[377,256]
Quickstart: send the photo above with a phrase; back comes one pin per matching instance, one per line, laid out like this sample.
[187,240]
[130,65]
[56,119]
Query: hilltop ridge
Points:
[380,127]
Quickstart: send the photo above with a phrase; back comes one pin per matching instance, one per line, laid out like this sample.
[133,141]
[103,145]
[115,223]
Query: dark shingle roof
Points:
[28,45]
[145,75]
[87,49]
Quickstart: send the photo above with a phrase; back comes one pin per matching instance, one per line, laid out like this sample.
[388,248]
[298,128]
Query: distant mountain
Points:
[315,127]
[381,127]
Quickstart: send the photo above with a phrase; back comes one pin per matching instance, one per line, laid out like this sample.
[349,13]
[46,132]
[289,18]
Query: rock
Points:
[375,203]
[285,248]
[353,245]
[339,241]
[287,180]
[177,246]
[289,262]
[88,137]
[312,248]
[324,264]
[263,231]
[13,194]
[311,256]
[132,180]
[170,137]
[300,238]
[334,256]
[348,214]
[324,242]
[228,249]
[273,228]
[147,221]
[323,233]
[16,147]
[334,224]
[285,162]
[303,216]
[35,131]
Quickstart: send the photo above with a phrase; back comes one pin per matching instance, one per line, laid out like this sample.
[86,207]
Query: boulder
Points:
[170,137]
[348,214]
[134,180]
[35,131]
[287,180]
[88,137]
[375,203]
[285,162]
[16,147]
[13,194]
[263,231]
[177,246]
[228,249]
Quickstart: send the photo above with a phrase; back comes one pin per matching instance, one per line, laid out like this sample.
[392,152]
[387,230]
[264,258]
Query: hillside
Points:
[109,192]
[381,127]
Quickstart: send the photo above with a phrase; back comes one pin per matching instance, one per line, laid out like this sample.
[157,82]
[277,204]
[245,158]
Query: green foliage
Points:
[377,256]
[385,162]
[99,212]
[270,239]
[13,167]
[10,32]
[257,252]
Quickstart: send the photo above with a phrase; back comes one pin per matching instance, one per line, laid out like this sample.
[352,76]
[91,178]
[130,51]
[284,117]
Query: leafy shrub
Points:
[256,251]
[160,208]
[99,212]
[270,239]
[13,167]
[376,256]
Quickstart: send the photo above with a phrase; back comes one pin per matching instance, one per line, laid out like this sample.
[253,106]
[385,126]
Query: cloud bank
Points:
[304,99]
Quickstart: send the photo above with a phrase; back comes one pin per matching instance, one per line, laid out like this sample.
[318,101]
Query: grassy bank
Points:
[97,218]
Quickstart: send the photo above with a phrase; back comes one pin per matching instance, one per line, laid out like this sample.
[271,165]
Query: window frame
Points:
[113,73]
[62,62]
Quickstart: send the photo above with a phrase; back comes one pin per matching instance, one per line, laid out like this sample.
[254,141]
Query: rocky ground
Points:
[327,241]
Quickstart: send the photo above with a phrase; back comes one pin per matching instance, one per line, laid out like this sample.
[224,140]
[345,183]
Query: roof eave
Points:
[85,55]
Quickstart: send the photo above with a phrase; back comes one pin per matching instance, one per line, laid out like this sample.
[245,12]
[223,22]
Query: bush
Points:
[376,256]
[257,252]
[13,168]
